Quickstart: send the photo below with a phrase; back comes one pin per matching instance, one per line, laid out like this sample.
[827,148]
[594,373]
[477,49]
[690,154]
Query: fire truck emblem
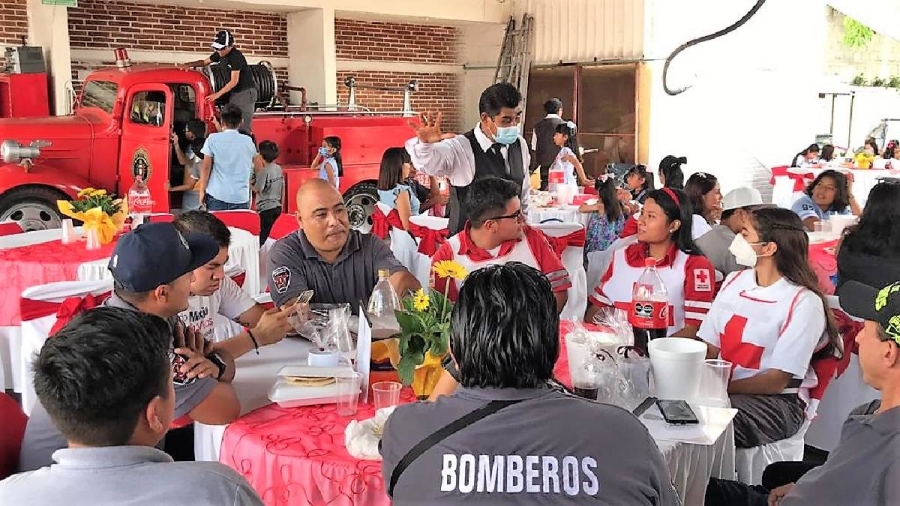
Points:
[140,164]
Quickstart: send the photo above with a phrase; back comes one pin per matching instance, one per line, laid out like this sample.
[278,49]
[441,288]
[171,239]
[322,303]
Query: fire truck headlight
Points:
[14,152]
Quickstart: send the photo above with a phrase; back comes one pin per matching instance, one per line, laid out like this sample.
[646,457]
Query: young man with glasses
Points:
[496,233]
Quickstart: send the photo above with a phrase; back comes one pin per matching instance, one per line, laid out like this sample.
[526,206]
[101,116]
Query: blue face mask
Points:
[507,135]
[324,151]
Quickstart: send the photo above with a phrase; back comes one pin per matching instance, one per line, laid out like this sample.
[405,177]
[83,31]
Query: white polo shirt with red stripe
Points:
[532,249]
[689,279]
[759,328]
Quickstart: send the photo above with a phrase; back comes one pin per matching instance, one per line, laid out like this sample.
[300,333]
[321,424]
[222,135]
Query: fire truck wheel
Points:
[33,208]
[360,200]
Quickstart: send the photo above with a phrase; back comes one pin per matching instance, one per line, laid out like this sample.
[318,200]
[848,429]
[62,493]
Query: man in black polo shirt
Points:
[493,148]
[241,85]
[340,265]
[545,150]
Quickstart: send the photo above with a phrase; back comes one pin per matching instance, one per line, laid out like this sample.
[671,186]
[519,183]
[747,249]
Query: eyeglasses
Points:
[514,216]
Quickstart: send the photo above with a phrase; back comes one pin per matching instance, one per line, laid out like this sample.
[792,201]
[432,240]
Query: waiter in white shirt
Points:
[493,148]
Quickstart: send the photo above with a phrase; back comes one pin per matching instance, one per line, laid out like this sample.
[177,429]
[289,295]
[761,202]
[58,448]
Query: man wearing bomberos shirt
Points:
[212,293]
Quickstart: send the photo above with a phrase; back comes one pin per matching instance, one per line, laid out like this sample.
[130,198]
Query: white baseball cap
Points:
[741,197]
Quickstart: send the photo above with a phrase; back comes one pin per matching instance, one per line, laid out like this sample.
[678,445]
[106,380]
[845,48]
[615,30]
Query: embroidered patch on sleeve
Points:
[281,279]
[702,280]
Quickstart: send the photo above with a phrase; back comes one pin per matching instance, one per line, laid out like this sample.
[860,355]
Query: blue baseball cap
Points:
[157,254]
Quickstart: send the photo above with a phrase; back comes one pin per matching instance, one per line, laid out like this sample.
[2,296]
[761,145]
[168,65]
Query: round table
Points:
[824,263]
[297,456]
[863,179]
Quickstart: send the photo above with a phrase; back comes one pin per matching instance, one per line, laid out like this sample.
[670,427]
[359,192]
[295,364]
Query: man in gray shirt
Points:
[153,268]
[864,469]
[716,243]
[107,382]
[340,265]
[507,436]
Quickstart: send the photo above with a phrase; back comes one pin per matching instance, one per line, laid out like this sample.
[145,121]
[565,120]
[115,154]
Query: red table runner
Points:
[38,264]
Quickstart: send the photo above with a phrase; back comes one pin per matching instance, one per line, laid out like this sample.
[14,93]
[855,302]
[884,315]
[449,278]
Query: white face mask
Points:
[743,251]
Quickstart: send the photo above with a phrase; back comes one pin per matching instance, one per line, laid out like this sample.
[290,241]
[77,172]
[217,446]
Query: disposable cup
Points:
[386,394]
[348,392]
[714,383]
[677,365]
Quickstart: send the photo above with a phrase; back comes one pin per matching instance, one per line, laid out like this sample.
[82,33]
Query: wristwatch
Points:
[216,359]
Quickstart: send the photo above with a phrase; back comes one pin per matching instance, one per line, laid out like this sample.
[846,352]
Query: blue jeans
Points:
[214,204]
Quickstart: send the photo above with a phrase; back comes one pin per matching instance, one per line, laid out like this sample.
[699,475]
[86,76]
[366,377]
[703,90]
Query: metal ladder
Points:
[514,62]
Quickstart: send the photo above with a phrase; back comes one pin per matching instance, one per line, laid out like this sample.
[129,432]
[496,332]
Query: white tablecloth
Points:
[843,395]
[692,465]
[863,180]
[255,374]
[567,214]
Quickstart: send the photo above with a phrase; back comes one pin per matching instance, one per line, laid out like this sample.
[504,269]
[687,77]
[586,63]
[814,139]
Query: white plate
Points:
[820,237]
[310,371]
[289,395]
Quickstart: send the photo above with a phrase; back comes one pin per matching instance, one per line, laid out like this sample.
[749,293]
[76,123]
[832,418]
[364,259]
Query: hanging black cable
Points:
[705,38]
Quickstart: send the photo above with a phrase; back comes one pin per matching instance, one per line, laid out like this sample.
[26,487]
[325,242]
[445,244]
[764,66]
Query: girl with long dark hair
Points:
[392,190]
[566,138]
[706,196]
[770,321]
[870,251]
[664,234]
[670,173]
[809,157]
[607,215]
[830,192]
[639,182]
[328,161]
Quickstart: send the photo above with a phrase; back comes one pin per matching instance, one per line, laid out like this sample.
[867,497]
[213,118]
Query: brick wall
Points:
[401,43]
[99,24]
[879,58]
[378,41]
[13,24]
[436,91]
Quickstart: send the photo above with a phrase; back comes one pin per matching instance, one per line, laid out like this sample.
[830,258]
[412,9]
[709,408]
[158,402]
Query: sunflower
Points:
[450,269]
[87,192]
[421,300]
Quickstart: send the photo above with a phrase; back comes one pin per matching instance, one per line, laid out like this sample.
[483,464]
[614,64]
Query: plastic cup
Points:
[386,394]
[714,383]
[68,232]
[348,392]
[822,226]
[677,365]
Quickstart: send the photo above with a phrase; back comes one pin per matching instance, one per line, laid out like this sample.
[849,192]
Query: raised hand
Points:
[429,131]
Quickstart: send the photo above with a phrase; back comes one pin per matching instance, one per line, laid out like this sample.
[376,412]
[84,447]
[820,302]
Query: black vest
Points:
[485,166]
[545,150]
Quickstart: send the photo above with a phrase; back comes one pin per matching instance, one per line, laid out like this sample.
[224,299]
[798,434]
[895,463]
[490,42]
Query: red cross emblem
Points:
[702,276]
[702,280]
[735,350]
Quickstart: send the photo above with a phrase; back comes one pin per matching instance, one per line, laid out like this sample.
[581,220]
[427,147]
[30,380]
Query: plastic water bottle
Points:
[649,315]
[384,300]
[556,176]
[140,202]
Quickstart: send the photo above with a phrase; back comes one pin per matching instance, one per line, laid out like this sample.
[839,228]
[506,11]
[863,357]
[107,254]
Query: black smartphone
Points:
[676,412]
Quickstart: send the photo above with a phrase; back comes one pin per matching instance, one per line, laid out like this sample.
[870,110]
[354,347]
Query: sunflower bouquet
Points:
[425,331]
[99,211]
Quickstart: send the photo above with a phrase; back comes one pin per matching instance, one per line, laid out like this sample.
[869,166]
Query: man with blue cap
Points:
[152,268]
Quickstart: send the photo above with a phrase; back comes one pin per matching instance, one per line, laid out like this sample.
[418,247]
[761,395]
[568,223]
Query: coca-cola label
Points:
[140,201]
[646,314]
[556,176]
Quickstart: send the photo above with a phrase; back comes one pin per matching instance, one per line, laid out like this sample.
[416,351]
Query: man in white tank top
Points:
[496,234]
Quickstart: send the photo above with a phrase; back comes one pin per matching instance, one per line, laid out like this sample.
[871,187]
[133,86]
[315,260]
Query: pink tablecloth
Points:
[297,456]
[824,264]
[37,264]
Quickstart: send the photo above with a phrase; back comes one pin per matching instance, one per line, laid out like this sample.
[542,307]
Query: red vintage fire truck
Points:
[106,141]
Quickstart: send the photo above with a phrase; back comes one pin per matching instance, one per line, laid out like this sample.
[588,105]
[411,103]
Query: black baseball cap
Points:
[873,304]
[157,254]
[223,39]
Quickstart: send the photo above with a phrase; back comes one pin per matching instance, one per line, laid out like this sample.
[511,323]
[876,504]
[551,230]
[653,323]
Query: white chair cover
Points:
[573,261]
[783,194]
[599,261]
[751,462]
[422,271]
[35,332]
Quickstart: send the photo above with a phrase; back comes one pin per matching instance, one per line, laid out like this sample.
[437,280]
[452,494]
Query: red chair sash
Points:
[66,310]
[244,220]
[559,244]
[429,239]
[239,278]
[827,369]
[381,224]
[284,225]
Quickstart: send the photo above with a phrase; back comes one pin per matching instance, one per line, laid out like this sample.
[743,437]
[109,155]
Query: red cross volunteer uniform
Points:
[532,249]
[773,327]
[689,279]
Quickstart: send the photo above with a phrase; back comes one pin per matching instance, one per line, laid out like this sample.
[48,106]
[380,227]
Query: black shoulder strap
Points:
[443,433]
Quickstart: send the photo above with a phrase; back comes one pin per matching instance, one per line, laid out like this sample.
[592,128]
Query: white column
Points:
[48,27]
[311,51]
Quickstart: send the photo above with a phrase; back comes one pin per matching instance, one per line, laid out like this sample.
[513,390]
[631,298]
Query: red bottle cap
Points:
[649,262]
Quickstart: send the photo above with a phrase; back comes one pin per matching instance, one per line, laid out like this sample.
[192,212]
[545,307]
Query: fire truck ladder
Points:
[514,62]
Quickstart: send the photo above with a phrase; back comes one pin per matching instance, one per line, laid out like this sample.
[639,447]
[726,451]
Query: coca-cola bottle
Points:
[140,203]
[649,315]
[556,176]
